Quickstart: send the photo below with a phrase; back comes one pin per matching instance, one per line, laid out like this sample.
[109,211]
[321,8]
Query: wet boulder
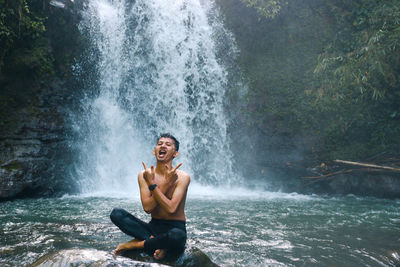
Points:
[88,257]
[394,257]
[192,257]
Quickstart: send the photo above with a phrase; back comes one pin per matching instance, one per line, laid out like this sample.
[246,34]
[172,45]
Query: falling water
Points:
[156,71]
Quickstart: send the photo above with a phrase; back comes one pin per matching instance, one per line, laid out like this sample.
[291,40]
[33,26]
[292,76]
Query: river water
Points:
[239,229]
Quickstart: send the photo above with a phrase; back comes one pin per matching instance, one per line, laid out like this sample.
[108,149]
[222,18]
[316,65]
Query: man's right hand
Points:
[148,174]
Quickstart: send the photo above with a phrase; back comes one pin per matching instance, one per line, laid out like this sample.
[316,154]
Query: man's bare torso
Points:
[159,212]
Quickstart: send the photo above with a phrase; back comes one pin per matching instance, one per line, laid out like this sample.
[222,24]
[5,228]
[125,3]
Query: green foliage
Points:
[358,80]
[12,166]
[365,55]
[323,76]
[19,26]
[26,60]
[266,8]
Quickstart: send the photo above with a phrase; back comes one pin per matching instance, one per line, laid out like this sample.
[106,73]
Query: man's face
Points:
[165,149]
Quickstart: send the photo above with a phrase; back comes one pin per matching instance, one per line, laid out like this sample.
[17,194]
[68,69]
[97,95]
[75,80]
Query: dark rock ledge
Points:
[35,104]
[34,149]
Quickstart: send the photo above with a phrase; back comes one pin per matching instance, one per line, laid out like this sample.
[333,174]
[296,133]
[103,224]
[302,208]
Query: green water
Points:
[270,229]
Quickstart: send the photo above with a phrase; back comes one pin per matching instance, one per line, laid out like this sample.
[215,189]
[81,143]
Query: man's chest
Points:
[168,188]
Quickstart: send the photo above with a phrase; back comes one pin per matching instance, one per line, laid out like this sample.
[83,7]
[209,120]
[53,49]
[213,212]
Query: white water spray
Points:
[157,72]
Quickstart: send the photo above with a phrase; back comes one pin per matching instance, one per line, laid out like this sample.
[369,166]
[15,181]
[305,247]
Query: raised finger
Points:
[144,165]
[176,167]
[152,169]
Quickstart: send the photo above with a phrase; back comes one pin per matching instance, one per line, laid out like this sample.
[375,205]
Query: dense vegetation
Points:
[21,28]
[37,45]
[25,58]
[324,77]
[358,77]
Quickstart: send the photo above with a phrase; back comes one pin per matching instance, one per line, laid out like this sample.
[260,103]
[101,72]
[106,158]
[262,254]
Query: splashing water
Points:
[157,71]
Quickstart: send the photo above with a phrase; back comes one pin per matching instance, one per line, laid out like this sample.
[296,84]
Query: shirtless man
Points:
[163,192]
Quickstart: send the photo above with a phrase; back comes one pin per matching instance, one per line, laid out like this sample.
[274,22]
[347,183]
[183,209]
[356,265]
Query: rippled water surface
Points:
[267,230]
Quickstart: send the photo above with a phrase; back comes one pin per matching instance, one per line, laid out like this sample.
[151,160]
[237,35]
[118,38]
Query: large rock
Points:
[88,257]
[32,147]
[34,151]
[384,184]
[394,257]
[193,257]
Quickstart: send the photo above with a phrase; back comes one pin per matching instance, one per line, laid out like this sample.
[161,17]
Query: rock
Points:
[58,4]
[394,256]
[386,185]
[358,182]
[34,147]
[193,257]
[88,257]
[30,150]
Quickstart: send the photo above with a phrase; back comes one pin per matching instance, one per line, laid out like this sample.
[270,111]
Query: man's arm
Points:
[146,196]
[171,205]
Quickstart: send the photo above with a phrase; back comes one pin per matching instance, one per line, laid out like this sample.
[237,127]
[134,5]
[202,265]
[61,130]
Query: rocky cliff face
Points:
[31,148]
[34,106]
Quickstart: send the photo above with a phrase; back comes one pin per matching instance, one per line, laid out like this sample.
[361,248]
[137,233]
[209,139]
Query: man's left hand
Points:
[170,174]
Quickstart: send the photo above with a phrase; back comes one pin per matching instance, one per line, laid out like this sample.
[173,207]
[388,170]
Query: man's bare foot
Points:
[133,244]
[119,248]
[159,254]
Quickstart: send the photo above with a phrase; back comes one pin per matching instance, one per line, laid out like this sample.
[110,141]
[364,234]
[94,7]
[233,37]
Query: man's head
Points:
[170,136]
[166,148]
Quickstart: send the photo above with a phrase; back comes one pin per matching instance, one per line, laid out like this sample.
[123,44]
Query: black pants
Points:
[168,234]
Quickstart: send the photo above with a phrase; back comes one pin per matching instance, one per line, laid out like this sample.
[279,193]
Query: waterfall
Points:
[156,70]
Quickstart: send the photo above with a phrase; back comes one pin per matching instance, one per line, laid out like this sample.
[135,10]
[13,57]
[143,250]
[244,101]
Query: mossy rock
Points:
[11,166]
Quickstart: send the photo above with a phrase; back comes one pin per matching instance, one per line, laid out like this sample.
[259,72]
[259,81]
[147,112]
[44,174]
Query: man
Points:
[163,192]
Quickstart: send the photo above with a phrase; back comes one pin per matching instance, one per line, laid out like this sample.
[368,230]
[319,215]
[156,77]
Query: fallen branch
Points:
[344,171]
[367,165]
[327,175]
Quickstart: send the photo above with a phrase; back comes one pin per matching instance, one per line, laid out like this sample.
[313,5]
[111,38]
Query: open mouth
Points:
[162,153]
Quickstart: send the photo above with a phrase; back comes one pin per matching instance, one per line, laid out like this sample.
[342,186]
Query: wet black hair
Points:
[168,135]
